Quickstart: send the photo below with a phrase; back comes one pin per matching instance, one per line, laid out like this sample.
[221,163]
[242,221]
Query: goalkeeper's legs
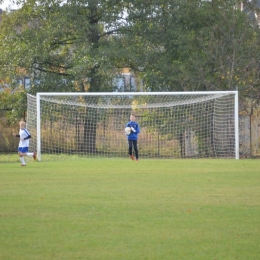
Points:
[136,149]
[130,149]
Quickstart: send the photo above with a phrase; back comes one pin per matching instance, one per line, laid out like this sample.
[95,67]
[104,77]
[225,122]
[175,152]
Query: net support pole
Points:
[38,120]
[236,126]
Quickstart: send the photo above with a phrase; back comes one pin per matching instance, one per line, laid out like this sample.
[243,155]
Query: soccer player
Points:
[133,137]
[23,147]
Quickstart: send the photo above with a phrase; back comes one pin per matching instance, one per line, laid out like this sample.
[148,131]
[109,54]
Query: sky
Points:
[6,3]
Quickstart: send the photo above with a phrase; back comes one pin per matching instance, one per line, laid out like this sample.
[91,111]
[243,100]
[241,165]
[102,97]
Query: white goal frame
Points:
[46,94]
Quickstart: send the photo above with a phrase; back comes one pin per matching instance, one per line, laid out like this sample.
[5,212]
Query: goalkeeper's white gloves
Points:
[133,129]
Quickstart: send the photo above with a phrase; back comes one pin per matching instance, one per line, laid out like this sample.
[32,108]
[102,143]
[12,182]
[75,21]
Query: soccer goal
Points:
[173,124]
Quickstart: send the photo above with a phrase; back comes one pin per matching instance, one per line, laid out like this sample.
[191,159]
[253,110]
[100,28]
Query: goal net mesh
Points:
[172,126]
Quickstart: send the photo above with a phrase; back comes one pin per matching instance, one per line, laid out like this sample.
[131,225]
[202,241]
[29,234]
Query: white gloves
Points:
[133,129]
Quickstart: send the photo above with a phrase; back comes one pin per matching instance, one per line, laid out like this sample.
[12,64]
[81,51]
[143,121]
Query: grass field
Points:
[121,209]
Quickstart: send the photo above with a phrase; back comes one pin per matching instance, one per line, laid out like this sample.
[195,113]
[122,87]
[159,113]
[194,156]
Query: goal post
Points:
[173,124]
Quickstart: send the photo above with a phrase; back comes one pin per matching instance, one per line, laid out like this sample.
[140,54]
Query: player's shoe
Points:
[34,155]
[132,157]
[23,164]
[137,160]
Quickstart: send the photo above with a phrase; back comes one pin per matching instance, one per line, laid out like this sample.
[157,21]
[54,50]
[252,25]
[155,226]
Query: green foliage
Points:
[12,110]
[194,45]
[67,41]
[171,45]
[12,107]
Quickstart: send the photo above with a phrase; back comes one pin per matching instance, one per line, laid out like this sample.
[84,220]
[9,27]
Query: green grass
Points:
[120,209]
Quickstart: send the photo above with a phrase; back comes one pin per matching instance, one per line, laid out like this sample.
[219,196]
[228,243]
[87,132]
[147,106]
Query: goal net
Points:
[173,124]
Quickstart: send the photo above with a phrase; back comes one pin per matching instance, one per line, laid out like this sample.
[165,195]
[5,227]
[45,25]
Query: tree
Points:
[172,45]
[194,45]
[62,46]
[72,41]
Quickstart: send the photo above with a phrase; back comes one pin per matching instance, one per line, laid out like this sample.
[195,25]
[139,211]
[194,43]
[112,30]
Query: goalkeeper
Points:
[132,137]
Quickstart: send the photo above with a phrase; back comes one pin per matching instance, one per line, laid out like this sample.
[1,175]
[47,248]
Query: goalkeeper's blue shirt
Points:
[133,135]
